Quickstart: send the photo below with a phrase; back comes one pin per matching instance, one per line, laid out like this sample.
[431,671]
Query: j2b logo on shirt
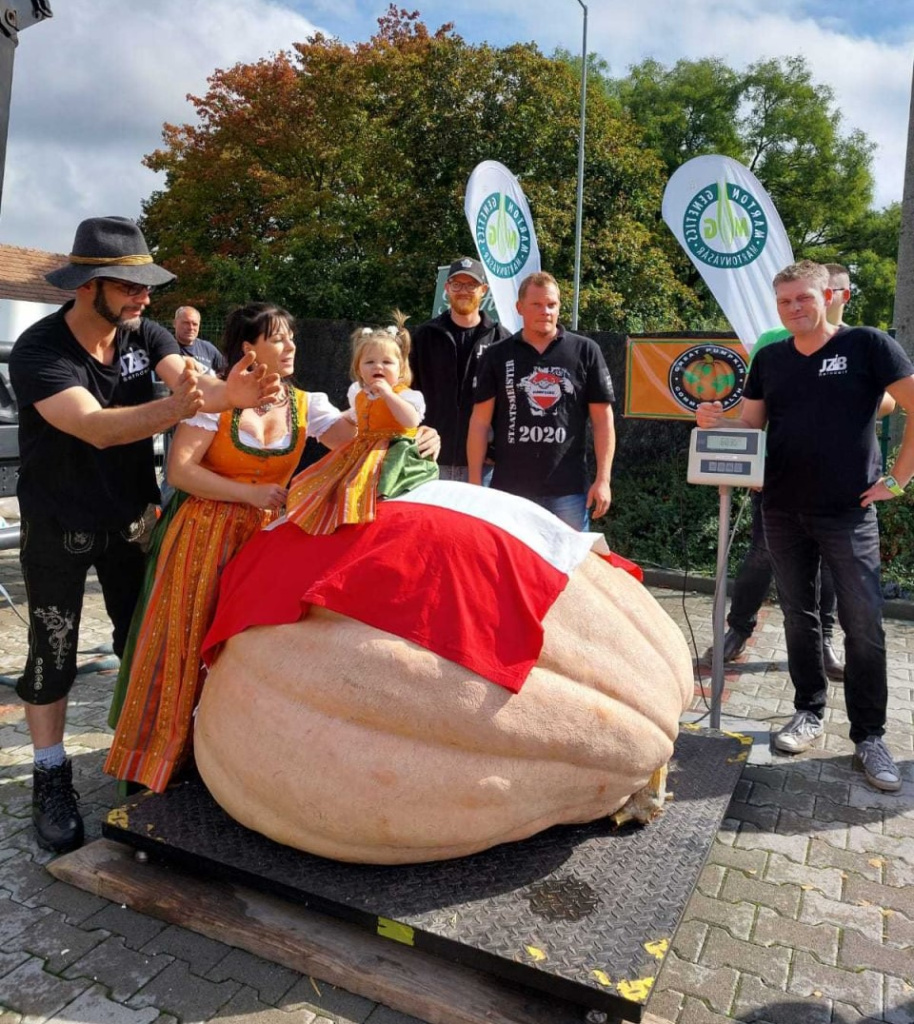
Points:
[134,363]
[544,389]
[833,364]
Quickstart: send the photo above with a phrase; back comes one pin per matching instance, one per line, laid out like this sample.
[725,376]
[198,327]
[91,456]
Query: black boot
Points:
[734,645]
[833,667]
[54,811]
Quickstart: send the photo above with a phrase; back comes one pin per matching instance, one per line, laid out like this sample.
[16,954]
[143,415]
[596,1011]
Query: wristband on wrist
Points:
[892,484]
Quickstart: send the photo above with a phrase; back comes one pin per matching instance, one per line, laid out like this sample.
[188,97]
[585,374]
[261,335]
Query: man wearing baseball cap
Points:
[444,355]
[83,381]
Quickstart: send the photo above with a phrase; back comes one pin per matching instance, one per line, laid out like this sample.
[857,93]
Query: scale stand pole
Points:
[720,605]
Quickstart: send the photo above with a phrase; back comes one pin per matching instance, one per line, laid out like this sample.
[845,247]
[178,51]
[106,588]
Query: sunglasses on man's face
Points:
[127,288]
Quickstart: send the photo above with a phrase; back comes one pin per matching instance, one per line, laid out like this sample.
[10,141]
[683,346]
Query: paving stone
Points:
[823,855]
[797,782]
[689,939]
[898,872]
[269,980]
[862,890]
[800,803]
[751,861]
[665,1003]
[756,1001]
[785,899]
[848,1015]
[30,990]
[136,929]
[245,1008]
[781,869]
[711,879]
[122,969]
[796,847]
[829,811]
[818,909]
[772,929]
[716,988]
[199,952]
[862,989]
[188,996]
[764,818]
[866,841]
[694,1011]
[899,931]
[94,1007]
[10,961]
[75,904]
[736,918]
[24,878]
[771,964]
[59,944]
[858,951]
[8,1017]
[16,918]
[899,1001]
[324,998]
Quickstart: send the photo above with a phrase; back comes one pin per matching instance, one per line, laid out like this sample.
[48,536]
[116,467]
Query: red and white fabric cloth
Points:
[466,572]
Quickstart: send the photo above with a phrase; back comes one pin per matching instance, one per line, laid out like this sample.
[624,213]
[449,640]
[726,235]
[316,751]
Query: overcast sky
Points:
[93,86]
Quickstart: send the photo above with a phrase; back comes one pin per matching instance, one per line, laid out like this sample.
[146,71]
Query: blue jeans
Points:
[848,542]
[570,508]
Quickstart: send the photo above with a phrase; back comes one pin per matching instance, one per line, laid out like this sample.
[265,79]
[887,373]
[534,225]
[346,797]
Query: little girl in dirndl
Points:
[382,461]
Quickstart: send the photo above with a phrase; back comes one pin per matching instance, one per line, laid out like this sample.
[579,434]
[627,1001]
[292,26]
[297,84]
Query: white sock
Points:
[50,757]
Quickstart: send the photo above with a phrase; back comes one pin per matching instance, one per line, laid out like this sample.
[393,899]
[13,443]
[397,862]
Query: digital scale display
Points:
[727,456]
[727,443]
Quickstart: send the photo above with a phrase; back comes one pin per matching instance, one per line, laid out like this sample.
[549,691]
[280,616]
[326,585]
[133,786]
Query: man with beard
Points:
[537,390]
[83,381]
[445,352]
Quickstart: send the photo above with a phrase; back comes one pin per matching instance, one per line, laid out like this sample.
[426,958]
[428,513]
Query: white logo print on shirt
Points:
[833,364]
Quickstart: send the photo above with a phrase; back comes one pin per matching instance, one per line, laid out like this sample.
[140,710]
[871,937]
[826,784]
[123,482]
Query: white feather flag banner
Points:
[729,227]
[502,225]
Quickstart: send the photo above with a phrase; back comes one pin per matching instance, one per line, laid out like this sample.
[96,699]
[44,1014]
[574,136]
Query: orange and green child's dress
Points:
[162,676]
[382,461]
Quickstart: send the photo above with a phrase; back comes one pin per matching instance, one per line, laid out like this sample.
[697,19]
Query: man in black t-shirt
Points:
[537,390]
[444,355]
[83,380]
[819,392]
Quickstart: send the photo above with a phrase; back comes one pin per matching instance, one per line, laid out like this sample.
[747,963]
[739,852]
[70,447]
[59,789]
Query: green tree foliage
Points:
[786,129]
[332,179]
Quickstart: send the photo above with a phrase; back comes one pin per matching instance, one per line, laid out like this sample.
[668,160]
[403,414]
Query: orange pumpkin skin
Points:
[336,738]
[708,379]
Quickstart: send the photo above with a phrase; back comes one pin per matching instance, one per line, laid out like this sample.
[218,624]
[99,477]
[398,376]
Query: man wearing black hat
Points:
[83,380]
[443,358]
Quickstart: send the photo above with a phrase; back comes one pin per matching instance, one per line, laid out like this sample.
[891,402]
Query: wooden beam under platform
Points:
[327,949]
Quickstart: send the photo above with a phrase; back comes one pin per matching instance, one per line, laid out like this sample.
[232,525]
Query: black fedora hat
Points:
[109,247]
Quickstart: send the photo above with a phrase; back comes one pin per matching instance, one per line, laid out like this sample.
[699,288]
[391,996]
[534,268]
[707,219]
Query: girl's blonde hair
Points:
[396,335]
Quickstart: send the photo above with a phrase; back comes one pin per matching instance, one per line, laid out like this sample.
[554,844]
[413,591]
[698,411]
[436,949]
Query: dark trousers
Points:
[848,542]
[754,577]
[55,563]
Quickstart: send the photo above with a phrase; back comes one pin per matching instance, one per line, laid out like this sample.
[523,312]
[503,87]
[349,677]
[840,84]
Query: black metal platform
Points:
[585,913]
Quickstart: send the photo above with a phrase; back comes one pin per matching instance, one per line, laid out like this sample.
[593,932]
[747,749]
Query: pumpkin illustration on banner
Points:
[707,373]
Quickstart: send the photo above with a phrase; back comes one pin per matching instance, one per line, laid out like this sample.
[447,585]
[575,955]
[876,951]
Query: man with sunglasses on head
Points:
[444,355]
[87,413]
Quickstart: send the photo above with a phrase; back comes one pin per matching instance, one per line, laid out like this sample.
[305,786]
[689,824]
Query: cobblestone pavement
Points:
[804,913]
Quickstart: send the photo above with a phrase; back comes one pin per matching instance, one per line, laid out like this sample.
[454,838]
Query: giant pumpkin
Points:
[337,738]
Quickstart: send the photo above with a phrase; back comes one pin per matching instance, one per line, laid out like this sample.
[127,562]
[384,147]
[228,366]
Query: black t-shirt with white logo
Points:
[541,411]
[62,477]
[822,449]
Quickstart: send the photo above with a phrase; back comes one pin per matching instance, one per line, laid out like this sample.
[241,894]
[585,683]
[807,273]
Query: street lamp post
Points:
[580,190]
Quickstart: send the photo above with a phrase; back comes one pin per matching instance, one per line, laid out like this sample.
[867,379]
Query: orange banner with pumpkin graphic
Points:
[668,375]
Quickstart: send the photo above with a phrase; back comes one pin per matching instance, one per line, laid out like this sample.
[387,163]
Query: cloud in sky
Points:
[93,86]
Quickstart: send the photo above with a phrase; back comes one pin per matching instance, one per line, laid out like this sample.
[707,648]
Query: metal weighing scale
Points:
[726,457]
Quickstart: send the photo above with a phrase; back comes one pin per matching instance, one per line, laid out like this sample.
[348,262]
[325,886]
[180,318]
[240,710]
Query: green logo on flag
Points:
[502,235]
[725,227]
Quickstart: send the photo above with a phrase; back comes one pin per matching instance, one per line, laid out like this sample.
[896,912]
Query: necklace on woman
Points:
[263,409]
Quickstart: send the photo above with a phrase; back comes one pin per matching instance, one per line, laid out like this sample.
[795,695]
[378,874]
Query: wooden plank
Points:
[333,951]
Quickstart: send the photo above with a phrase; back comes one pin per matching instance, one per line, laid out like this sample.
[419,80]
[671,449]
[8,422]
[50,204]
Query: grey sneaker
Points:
[799,733]
[872,757]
